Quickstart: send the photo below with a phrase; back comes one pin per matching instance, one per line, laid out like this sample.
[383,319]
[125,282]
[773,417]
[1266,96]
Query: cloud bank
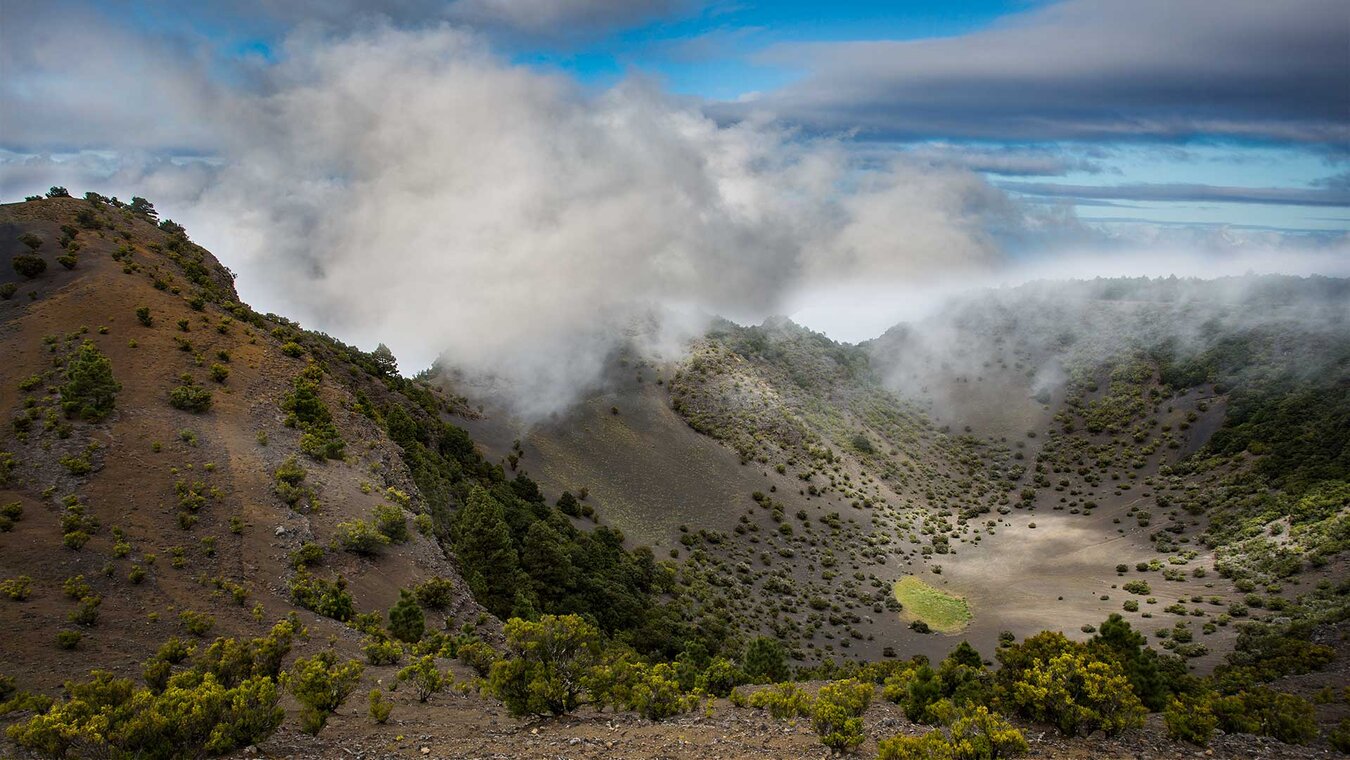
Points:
[412,188]
[1088,69]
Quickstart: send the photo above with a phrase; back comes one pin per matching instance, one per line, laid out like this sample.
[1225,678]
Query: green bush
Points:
[90,391]
[18,588]
[360,537]
[656,693]
[68,261]
[765,660]
[382,651]
[321,684]
[783,701]
[435,593]
[478,656]
[1189,718]
[391,521]
[1078,694]
[68,639]
[194,716]
[327,598]
[720,677]
[380,708]
[837,713]
[425,677]
[1267,712]
[190,398]
[546,660]
[28,265]
[8,289]
[1339,737]
[143,316]
[196,623]
[406,621]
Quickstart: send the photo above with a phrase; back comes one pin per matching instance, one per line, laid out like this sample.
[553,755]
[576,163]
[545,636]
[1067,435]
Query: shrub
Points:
[391,521]
[68,261]
[1189,718]
[380,708]
[308,555]
[143,316]
[90,391]
[190,398]
[194,716]
[8,289]
[478,655]
[32,241]
[327,598]
[837,713]
[656,693]
[1078,694]
[321,684]
[1270,713]
[424,676]
[68,639]
[406,622]
[87,613]
[1340,736]
[1138,587]
[18,589]
[720,677]
[196,623]
[360,537]
[381,651]
[783,701]
[765,660]
[435,593]
[546,661]
[931,746]
[28,265]
[219,372]
[979,734]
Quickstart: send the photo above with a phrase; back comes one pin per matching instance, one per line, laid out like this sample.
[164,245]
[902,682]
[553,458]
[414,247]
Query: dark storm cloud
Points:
[1180,192]
[1091,70]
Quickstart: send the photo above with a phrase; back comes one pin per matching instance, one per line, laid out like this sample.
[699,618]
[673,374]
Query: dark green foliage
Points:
[307,411]
[435,593]
[190,398]
[765,660]
[390,521]
[28,265]
[1189,718]
[32,241]
[67,261]
[1154,678]
[406,622]
[143,316]
[543,671]
[327,598]
[90,391]
[1265,711]
[321,684]
[193,716]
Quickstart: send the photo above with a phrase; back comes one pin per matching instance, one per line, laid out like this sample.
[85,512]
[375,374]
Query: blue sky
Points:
[565,166]
[794,56]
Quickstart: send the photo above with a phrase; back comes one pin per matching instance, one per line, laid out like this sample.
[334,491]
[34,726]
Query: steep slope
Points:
[187,498]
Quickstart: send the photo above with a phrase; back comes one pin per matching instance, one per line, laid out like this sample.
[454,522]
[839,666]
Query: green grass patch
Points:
[941,611]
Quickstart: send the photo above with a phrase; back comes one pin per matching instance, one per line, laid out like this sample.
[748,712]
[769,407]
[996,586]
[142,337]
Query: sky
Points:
[561,166]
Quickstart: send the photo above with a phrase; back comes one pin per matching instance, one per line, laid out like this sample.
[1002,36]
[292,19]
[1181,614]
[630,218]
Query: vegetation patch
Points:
[939,610]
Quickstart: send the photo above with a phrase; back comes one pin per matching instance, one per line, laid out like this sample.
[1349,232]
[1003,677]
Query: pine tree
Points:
[406,621]
[90,390]
[486,553]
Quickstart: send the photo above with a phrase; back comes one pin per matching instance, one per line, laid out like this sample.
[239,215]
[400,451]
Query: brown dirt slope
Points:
[147,455]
